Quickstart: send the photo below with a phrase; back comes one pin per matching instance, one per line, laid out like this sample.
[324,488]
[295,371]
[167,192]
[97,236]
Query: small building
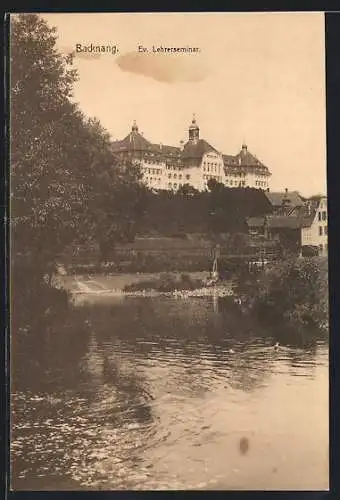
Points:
[280,228]
[285,203]
[304,226]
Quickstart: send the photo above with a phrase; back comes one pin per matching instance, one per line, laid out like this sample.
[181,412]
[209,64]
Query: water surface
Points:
[168,394]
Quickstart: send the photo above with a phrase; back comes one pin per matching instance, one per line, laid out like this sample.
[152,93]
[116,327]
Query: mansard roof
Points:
[192,150]
[243,159]
[197,149]
[134,141]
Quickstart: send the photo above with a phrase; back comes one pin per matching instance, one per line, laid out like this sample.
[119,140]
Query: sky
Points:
[258,78]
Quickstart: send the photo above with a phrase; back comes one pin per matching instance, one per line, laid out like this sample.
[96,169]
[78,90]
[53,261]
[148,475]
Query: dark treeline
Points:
[219,210]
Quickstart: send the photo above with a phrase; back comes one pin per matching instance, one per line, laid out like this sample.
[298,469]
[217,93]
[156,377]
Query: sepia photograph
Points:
[169,305]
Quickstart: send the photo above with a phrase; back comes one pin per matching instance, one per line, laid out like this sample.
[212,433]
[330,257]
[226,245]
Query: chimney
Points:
[286,190]
[181,146]
[160,146]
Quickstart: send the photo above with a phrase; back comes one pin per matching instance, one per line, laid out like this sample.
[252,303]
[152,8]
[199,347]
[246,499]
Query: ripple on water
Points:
[169,413]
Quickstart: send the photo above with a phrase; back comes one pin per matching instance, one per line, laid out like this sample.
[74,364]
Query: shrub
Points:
[294,290]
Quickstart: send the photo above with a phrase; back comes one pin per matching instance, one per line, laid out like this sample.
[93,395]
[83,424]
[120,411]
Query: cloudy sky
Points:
[258,78]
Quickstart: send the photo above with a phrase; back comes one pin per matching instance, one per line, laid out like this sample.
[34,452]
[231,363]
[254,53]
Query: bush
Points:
[165,283]
[294,290]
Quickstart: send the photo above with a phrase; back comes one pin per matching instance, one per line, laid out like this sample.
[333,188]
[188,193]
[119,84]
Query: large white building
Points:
[194,162]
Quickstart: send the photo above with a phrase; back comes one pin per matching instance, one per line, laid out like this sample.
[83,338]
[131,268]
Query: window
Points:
[175,176]
[325,230]
[170,185]
[180,176]
[175,186]
[324,215]
[320,230]
[187,177]
[320,248]
[169,176]
[319,214]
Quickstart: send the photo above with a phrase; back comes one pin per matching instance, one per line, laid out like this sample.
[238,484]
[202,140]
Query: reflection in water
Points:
[169,394]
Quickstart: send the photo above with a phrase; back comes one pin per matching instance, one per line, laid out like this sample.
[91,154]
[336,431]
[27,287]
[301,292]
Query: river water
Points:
[163,393]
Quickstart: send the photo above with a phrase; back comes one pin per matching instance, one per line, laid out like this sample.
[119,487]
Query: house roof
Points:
[290,198]
[167,150]
[280,221]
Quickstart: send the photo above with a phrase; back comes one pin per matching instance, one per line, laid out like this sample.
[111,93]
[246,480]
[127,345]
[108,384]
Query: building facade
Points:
[314,231]
[194,162]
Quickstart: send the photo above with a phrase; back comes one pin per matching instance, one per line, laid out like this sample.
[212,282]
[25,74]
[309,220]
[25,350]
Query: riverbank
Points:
[118,286]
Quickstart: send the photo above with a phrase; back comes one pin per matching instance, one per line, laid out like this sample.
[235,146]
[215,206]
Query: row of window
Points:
[173,167]
[322,215]
[151,162]
[154,171]
[170,185]
[153,179]
[213,168]
[323,230]
[260,183]
[179,176]
[208,164]
[236,183]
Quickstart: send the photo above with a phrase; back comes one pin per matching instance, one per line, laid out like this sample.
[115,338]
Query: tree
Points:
[66,183]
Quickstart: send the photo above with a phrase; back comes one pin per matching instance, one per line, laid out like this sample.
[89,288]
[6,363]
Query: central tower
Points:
[194,131]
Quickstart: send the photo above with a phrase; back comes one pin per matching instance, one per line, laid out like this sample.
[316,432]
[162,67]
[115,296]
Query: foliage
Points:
[66,183]
[165,283]
[294,290]
[220,210]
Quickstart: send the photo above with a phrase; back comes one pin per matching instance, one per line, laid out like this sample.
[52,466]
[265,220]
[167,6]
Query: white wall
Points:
[317,233]
[159,175]
[212,167]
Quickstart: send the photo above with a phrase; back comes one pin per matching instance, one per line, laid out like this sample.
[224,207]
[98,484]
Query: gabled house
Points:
[285,203]
[296,229]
